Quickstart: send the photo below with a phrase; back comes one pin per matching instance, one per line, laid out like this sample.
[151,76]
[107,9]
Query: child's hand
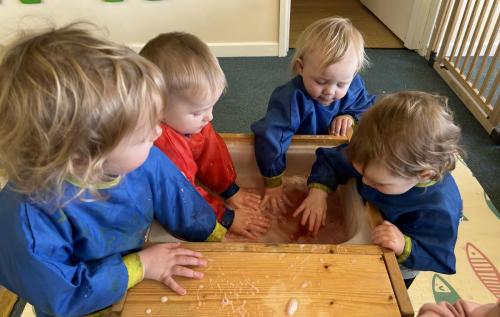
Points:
[161,262]
[389,236]
[276,197]
[313,208]
[340,125]
[244,199]
[248,223]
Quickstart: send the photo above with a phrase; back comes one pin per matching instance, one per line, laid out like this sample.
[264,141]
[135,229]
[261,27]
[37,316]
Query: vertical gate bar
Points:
[493,89]
[439,26]
[488,75]
[473,40]
[467,32]
[449,29]
[460,32]
[481,43]
[487,53]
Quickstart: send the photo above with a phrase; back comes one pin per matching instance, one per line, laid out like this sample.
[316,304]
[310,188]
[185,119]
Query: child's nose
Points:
[329,90]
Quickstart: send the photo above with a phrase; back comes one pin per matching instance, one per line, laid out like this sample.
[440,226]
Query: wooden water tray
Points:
[331,275]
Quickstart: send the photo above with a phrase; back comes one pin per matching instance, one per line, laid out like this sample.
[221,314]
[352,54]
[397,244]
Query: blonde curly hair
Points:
[331,37]
[67,99]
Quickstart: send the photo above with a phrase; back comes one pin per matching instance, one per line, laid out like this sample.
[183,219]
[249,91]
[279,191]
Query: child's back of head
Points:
[331,38]
[408,132]
[66,101]
[187,64]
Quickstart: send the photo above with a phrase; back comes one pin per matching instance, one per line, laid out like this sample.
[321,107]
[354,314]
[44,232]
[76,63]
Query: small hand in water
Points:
[313,210]
[277,199]
[249,224]
[244,199]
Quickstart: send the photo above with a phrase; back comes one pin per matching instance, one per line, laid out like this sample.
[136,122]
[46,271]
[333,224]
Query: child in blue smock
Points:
[327,96]
[401,155]
[78,117]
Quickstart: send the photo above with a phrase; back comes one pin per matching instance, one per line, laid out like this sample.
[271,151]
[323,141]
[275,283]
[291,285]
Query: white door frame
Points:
[284,27]
[423,18]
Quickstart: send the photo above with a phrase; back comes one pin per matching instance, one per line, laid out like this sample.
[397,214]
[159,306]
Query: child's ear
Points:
[426,175]
[299,65]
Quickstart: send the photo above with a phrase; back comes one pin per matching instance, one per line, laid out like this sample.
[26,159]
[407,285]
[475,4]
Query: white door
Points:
[411,20]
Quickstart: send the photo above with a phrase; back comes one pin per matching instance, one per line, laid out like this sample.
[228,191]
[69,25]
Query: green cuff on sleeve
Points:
[275,181]
[217,234]
[134,268]
[406,250]
[320,186]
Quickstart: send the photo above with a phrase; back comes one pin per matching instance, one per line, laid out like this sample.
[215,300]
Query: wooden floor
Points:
[376,34]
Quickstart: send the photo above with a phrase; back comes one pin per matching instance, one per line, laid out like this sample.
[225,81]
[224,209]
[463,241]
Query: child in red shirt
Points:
[195,82]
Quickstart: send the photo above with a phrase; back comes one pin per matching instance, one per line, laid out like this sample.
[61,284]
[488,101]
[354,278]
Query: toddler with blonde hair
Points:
[401,155]
[195,81]
[78,117]
[326,97]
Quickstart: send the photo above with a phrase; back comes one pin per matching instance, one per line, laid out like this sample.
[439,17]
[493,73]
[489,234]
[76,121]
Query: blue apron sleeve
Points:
[274,132]
[177,205]
[331,167]
[433,236]
[37,263]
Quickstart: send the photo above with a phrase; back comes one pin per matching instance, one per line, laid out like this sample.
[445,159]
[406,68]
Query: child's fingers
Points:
[248,234]
[261,220]
[189,260]
[274,204]
[323,221]
[317,225]
[336,128]
[282,206]
[343,128]
[305,216]
[287,201]
[254,197]
[254,205]
[171,245]
[183,251]
[264,202]
[258,229]
[179,270]
[299,210]
[312,221]
[172,284]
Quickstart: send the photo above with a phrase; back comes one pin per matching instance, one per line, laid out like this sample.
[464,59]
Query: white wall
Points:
[230,27]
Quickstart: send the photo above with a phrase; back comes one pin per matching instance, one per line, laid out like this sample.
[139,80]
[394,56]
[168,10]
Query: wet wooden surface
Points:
[260,280]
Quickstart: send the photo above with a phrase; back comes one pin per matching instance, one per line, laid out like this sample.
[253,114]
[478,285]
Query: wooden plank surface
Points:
[7,301]
[241,282]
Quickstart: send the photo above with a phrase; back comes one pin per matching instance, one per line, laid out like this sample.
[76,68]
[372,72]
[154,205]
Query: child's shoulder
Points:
[293,85]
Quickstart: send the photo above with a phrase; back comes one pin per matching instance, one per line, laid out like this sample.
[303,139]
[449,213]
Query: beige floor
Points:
[376,34]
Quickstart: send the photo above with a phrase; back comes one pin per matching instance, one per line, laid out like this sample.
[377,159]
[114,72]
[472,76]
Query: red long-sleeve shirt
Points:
[204,157]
